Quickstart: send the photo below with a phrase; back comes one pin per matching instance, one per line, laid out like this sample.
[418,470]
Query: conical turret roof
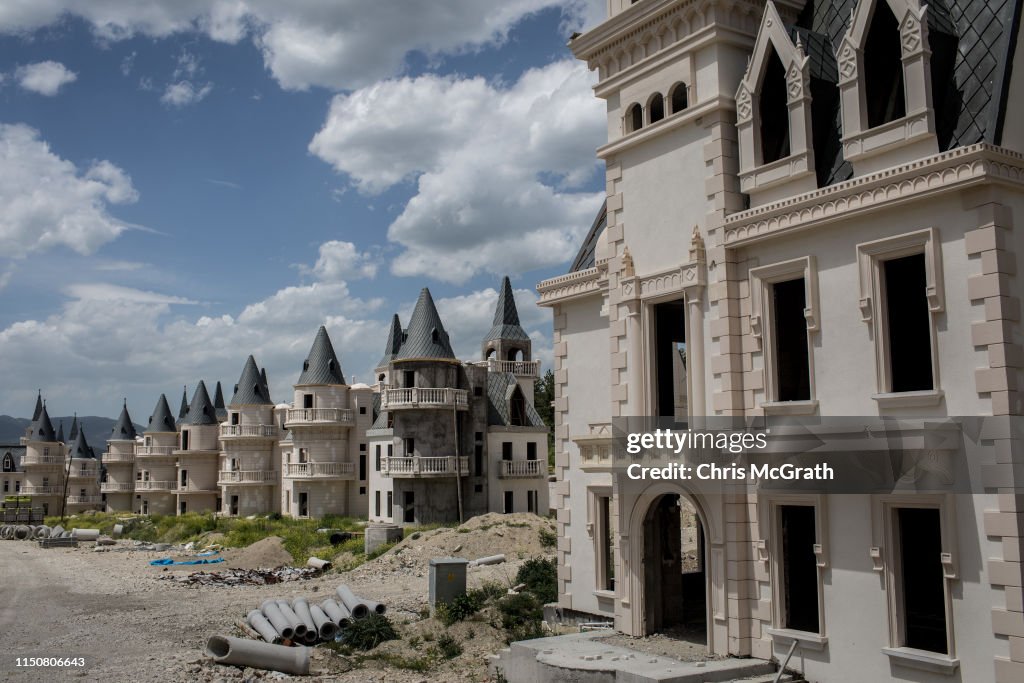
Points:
[394,342]
[80,449]
[321,365]
[161,420]
[60,432]
[124,430]
[251,390]
[218,403]
[425,337]
[43,428]
[183,409]
[39,406]
[201,410]
[506,316]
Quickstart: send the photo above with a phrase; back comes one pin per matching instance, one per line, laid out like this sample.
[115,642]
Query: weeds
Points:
[368,633]
[548,538]
[448,646]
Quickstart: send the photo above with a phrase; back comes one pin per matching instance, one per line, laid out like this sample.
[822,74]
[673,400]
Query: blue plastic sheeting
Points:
[165,561]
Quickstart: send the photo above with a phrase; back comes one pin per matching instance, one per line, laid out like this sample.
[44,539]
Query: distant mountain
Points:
[97,429]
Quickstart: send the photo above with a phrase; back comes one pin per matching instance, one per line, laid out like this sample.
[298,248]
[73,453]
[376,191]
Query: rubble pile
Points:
[244,577]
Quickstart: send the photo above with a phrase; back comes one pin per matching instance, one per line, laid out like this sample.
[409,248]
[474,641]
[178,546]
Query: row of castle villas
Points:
[435,439]
[821,203]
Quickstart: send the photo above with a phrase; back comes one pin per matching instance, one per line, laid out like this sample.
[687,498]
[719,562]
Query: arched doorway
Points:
[674,569]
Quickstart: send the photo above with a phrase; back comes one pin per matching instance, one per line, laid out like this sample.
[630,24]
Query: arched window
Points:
[656,107]
[517,409]
[883,66]
[8,462]
[634,118]
[434,336]
[380,378]
[678,97]
[774,112]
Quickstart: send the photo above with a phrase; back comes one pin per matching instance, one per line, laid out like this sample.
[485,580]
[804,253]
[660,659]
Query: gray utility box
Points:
[447,580]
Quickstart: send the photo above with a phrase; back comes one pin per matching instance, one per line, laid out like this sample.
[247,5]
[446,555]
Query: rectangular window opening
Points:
[531,450]
[508,502]
[670,359]
[506,450]
[799,568]
[909,327]
[922,584]
[605,556]
[409,505]
[792,370]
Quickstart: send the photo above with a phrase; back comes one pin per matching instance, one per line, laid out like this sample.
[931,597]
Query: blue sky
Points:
[189,182]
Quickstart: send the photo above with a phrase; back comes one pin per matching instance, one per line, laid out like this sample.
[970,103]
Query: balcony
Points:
[40,491]
[118,458]
[519,368]
[317,417]
[522,469]
[144,451]
[156,486]
[84,473]
[418,466]
[84,500]
[320,470]
[36,459]
[248,431]
[113,487]
[424,397]
[226,477]
[196,488]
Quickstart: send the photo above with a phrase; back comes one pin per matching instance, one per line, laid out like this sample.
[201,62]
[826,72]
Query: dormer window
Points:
[434,336]
[678,98]
[883,78]
[634,117]
[773,113]
[656,107]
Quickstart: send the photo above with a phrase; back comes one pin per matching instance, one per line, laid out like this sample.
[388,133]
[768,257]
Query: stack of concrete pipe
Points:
[27,532]
[301,622]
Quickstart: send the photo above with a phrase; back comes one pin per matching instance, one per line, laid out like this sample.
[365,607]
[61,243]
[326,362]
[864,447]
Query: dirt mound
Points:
[518,536]
[267,553]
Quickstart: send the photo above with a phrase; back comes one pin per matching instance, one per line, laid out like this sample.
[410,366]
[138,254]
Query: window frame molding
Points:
[769,554]
[870,259]
[885,561]
[754,174]
[762,328]
[918,125]
[594,531]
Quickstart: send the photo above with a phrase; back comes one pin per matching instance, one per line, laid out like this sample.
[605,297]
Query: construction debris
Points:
[244,577]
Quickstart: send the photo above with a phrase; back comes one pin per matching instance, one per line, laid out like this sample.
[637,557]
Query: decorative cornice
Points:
[564,287]
[939,173]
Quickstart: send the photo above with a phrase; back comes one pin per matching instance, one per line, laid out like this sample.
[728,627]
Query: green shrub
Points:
[540,577]
[488,591]
[368,633]
[448,646]
[460,608]
[548,538]
[522,616]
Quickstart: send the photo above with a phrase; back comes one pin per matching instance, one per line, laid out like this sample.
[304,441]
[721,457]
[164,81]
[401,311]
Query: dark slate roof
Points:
[425,337]
[74,429]
[586,258]
[263,378]
[60,432]
[42,430]
[39,406]
[201,410]
[124,430]
[161,420]
[506,317]
[250,390]
[81,450]
[394,342]
[183,409]
[500,386]
[321,365]
[218,403]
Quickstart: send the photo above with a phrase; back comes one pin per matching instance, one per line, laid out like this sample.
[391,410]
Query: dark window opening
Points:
[184,440]
[670,359]
[883,68]
[774,112]
[303,504]
[793,375]
[391,505]
[236,417]
[508,502]
[376,503]
[634,118]
[409,378]
[362,467]
[478,488]
[478,460]
[184,478]
[506,450]
[799,568]
[656,105]
[924,603]
[410,447]
[362,410]
[605,555]
[234,505]
[434,335]
[8,463]
[517,408]
[909,339]
[380,378]
[679,98]
[531,501]
[182,508]
[478,436]
[376,463]
[478,391]
[531,450]
[409,504]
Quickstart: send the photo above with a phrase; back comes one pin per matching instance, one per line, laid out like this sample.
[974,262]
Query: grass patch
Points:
[448,646]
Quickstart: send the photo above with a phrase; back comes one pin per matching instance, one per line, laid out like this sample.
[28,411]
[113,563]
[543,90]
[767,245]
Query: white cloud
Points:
[341,44]
[341,261]
[184,93]
[120,266]
[480,154]
[101,291]
[44,78]
[128,63]
[49,202]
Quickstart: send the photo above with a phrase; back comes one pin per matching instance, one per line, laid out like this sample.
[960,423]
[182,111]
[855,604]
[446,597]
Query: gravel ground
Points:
[112,608]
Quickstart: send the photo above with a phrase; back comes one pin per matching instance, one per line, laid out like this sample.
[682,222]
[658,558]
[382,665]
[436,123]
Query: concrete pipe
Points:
[6,532]
[42,531]
[311,638]
[324,626]
[273,614]
[253,653]
[117,531]
[491,559]
[337,613]
[317,563]
[356,606]
[260,624]
[22,532]
[378,607]
[85,534]
[293,619]
[301,608]
[56,531]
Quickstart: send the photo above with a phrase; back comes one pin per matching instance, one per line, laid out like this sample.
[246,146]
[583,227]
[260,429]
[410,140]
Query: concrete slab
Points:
[584,658]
